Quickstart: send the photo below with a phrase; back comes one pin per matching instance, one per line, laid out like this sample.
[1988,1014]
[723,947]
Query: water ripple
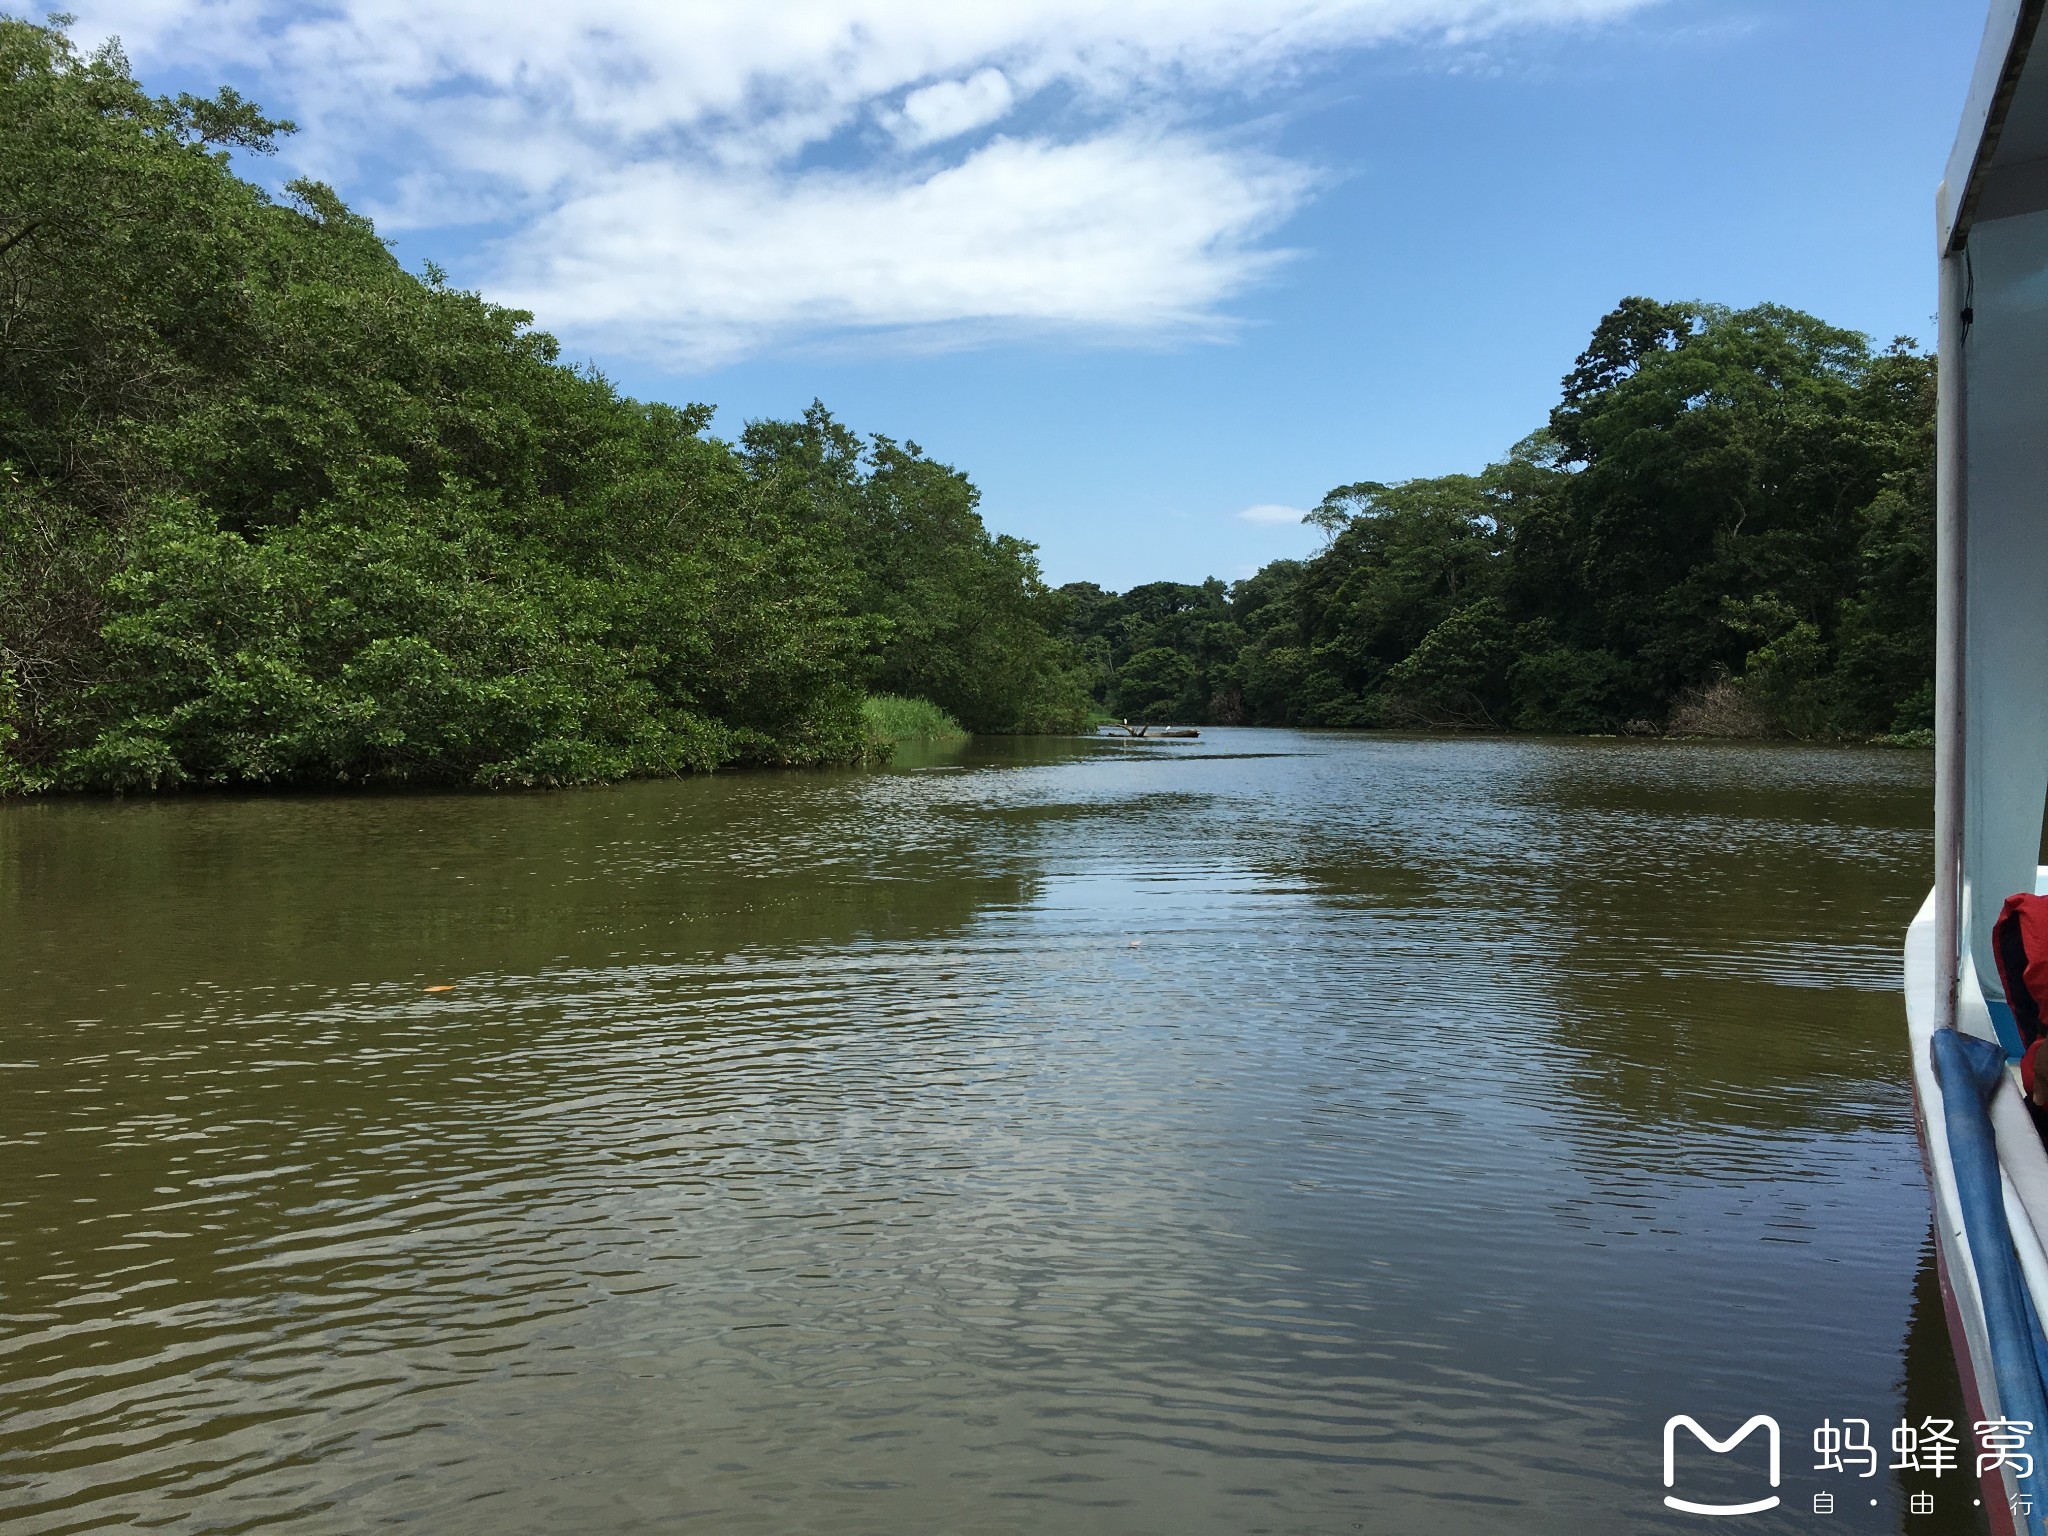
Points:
[1306,1134]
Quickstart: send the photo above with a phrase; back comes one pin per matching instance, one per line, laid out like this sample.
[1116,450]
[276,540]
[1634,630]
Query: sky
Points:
[1156,274]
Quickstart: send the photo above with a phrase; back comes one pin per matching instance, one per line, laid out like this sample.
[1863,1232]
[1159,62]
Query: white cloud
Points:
[1272,512]
[1117,236]
[951,108]
[696,178]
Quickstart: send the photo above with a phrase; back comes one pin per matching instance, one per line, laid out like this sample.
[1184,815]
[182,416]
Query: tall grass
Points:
[891,718]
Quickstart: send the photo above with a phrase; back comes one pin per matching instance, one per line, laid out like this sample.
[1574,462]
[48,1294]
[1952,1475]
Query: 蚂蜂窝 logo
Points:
[1756,1507]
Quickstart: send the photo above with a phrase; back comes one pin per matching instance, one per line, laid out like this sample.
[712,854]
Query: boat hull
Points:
[1969,1336]
[1991,1486]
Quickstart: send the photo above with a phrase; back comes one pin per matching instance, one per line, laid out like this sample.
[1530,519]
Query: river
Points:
[1276,1132]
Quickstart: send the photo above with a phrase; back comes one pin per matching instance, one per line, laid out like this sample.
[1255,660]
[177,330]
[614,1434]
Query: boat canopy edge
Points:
[2008,38]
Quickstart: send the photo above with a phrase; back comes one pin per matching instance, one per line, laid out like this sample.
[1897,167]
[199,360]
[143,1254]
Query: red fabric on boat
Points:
[2031,1066]
[2019,942]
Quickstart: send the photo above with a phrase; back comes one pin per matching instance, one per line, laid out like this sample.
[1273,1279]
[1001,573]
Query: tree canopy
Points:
[1732,502]
[275,510]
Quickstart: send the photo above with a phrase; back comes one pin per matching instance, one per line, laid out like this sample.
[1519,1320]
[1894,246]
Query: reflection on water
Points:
[1275,1132]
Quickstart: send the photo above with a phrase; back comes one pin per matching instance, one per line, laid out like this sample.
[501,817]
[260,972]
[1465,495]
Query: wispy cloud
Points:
[935,113]
[1115,236]
[1273,512]
[692,179]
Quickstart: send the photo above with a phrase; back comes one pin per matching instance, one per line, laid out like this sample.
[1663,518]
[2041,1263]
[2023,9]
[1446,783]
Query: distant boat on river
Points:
[1153,732]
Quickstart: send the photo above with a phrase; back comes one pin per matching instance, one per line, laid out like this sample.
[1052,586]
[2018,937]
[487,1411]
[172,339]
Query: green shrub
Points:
[890,717]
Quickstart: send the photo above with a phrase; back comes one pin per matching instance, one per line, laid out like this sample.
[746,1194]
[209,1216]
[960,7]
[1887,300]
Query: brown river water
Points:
[1270,1133]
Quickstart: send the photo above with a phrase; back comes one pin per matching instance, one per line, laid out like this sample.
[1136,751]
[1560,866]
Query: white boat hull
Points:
[1961,1300]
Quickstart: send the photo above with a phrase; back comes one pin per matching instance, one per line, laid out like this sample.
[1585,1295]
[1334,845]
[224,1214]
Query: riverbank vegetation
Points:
[891,718]
[274,510]
[1725,527]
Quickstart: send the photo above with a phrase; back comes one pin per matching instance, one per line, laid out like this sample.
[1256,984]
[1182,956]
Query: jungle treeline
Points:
[274,510]
[1725,527]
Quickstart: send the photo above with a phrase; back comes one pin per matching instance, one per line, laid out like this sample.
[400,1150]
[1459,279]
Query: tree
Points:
[1158,686]
[275,510]
[1721,497]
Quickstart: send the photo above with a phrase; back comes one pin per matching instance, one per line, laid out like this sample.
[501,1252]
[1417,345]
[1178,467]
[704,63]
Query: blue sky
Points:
[1135,269]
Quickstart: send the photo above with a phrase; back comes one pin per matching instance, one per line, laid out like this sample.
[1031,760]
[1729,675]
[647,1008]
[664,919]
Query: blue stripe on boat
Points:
[2008,1030]
[1969,1071]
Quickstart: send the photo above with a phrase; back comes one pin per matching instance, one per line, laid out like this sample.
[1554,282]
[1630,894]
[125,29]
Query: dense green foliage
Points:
[1728,516]
[275,510]
[891,718]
